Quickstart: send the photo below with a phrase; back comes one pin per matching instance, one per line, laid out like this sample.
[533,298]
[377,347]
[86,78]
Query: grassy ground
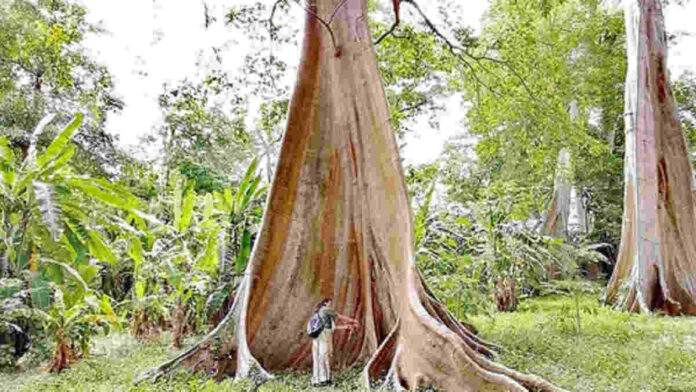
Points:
[601,350]
[610,351]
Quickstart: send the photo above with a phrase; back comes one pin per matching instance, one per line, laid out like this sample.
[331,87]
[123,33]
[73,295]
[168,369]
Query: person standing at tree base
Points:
[320,328]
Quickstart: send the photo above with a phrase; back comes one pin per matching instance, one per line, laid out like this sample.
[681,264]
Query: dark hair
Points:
[322,304]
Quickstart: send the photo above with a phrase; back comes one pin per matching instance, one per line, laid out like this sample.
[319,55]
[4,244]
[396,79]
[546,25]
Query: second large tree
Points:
[657,258]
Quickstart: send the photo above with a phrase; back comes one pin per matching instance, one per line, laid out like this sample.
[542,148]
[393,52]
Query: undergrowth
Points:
[584,347]
[566,338]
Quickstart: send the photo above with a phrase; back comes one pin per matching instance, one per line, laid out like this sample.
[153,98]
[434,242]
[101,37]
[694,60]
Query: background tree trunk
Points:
[506,296]
[657,256]
[577,220]
[557,219]
[338,224]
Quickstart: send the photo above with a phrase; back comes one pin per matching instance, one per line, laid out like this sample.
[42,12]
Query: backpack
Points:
[315,326]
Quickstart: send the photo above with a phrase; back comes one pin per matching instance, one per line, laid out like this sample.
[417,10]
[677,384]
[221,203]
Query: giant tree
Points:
[338,224]
[657,257]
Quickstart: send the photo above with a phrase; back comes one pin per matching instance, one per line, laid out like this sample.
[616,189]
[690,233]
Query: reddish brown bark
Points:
[338,224]
[178,325]
[593,271]
[63,354]
[506,297]
[657,257]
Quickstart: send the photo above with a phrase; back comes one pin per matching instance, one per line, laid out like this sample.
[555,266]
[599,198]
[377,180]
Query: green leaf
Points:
[139,289]
[209,206]
[6,154]
[251,192]
[49,209]
[228,200]
[98,249]
[71,271]
[89,187]
[6,162]
[73,244]
[135,251]
[8,287]
[40,292]
[243,186]
[244,251]
[464,221]
[105,305]
[102,190]
[210,258]
[58,163]
[60,143]
[88,272]
[177,204]
[121,191]
[92,301]
[72,315]
[187,209]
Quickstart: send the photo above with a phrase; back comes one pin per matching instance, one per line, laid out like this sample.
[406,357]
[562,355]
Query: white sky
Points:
[153,42]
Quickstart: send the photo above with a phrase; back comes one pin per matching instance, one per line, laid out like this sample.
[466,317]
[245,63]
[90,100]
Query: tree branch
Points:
[459,52]
[394,25]
[271,26]
[338,8]
[323,22]
[386,34]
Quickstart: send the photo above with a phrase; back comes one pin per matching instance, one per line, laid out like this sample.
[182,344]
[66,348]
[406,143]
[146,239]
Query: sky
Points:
[152,42]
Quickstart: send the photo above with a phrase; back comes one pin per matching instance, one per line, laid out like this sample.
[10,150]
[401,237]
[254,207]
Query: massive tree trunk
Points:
[657,256]
[338,224]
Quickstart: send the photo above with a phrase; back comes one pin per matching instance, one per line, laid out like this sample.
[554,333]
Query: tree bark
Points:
[4,263]
[577,219]
[565,195]
[557,218]
[178,325]
[506,296]
[338,225]
[657,256]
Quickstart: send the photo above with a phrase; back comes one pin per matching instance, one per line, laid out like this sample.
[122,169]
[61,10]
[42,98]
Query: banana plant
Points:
[243,212]
[68,323]
[52,220]
[239,211]
[173,259]
[72,325]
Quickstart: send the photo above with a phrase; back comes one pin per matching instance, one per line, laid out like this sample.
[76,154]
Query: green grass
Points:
[118,360]
[612,351]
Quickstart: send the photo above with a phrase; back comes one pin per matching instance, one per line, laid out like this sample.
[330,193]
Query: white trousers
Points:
[322,351]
